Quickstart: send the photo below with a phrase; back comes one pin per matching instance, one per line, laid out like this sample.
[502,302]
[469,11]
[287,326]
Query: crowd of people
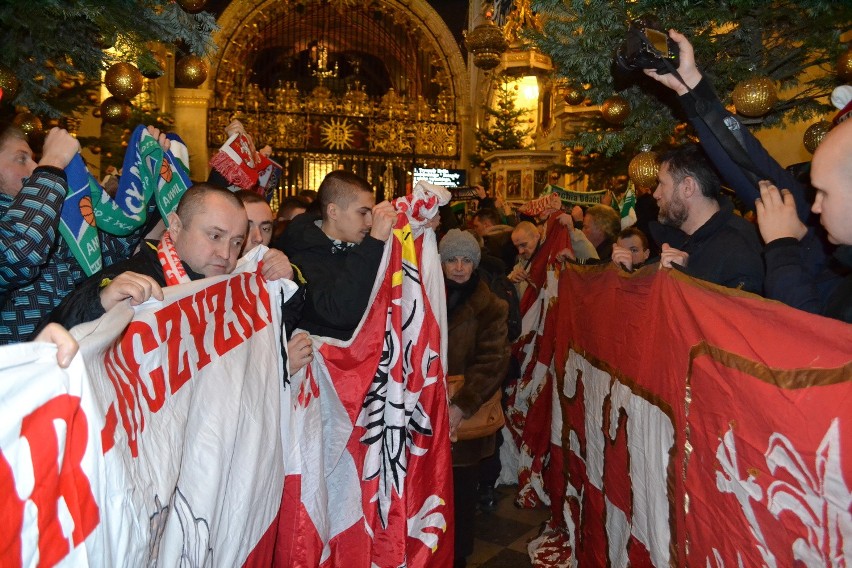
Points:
[332,249]
[797,252]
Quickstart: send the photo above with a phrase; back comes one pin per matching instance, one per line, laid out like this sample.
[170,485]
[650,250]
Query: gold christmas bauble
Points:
[814,134]
[755,96]
[192,6]
[123,80]
[29,123]
[574,95]
[9,83]
[615,110]
[115,110]
[844,65]
[487,43]
[190,71]
[643,169]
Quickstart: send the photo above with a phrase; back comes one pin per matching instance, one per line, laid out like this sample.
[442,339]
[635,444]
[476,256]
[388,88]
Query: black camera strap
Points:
[715,121]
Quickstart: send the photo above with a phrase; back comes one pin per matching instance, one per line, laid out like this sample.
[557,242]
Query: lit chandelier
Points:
[319,62]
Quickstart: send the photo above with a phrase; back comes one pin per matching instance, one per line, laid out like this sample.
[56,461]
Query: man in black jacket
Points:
[205,238]
[787,237]
[496,236]
[338,252]
[698,231]
[800,269]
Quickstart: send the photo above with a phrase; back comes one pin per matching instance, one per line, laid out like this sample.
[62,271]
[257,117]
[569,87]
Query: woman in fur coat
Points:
[478,348]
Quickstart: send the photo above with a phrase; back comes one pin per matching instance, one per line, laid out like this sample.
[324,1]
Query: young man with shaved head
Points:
[338,251]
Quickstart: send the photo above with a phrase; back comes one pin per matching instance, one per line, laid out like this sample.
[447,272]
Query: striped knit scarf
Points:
[173,270]
[147,172]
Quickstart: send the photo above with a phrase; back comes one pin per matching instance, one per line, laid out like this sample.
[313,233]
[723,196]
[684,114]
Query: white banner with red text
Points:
[161,444]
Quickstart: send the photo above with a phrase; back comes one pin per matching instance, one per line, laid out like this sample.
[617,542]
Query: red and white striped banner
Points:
[695,426]
[525,452]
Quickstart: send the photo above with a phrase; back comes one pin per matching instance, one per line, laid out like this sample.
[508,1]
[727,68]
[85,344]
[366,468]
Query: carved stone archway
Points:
[411,110]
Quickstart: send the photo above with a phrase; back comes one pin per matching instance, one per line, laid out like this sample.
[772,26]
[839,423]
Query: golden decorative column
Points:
[189,107]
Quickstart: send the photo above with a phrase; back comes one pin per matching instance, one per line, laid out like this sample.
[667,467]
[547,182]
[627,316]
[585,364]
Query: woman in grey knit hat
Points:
[478,348]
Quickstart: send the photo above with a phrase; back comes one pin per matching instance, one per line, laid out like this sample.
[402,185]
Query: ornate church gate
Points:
[372,87]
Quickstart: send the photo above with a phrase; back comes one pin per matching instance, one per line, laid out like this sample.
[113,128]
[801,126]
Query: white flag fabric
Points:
[161,444]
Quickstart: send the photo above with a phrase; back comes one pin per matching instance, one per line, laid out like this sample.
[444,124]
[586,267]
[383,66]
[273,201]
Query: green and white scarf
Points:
[147,172]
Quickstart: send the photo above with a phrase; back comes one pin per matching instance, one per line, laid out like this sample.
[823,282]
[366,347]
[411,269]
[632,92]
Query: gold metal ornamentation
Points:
[337,133]
[755,96]
[487,43]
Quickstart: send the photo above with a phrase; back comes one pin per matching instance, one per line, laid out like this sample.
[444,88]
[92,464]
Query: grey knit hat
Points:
[459,243]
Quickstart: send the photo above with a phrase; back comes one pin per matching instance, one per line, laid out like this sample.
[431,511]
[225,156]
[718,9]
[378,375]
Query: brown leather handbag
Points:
[487,420]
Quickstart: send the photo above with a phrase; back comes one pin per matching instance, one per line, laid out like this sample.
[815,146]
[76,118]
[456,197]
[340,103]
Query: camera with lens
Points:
[646,47]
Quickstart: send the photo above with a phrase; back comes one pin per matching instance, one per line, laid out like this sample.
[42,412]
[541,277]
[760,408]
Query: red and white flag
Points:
[368,458]
[528,414]
[703,426]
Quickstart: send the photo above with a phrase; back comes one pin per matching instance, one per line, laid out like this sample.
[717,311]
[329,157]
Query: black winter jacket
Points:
[725,250]
[339,279]
[703,107]
[803,274]
[797,276]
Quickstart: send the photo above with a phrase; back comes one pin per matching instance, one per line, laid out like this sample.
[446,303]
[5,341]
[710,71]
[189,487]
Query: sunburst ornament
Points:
[338,133]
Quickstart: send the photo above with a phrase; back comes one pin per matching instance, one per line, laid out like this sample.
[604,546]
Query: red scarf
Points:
[172,266]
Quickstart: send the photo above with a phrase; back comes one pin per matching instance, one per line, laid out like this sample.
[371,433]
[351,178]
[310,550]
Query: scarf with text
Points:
[541,205]
[173,270]
[246,169]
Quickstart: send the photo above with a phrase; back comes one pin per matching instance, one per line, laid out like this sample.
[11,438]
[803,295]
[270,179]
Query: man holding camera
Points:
[798,272]
[699,231]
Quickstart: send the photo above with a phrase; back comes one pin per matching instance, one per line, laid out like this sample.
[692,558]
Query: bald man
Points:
[793,253]
[527,238]
[831,175]
[205,238]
